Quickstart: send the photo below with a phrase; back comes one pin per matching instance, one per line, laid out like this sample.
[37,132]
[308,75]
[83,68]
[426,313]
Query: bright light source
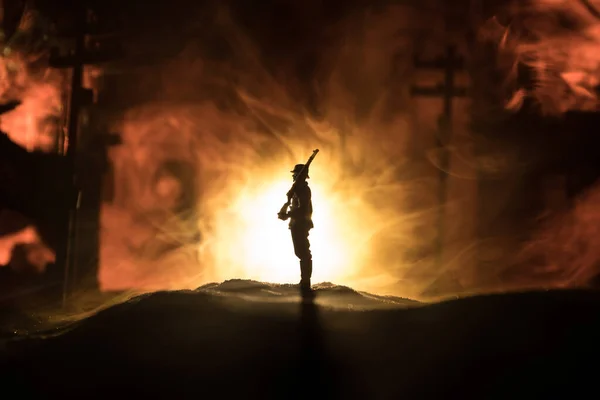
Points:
[251,238]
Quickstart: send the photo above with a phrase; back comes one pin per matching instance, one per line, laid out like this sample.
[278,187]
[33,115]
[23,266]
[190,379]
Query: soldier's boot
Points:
[305,274]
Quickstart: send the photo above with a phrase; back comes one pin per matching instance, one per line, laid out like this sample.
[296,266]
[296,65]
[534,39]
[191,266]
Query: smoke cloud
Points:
[33,125]
[203,167]
[558,41]
[248,124]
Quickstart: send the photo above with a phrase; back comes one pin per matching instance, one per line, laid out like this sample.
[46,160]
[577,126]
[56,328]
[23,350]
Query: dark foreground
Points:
[244,340]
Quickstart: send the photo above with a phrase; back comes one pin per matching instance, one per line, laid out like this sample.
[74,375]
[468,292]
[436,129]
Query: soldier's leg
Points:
[302,251]
[306,264]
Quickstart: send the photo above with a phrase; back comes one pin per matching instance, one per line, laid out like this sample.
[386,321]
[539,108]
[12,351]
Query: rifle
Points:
[290,192]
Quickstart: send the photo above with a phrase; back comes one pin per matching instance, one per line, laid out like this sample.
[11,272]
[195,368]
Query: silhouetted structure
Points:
[450,63]
[90,48]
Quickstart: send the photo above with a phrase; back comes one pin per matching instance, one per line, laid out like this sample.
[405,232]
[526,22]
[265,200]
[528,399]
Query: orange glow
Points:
[364,226]
[32,125]
[251,239]
[564,58]
[242,184]
[40,98]
[566,249]
[38,255]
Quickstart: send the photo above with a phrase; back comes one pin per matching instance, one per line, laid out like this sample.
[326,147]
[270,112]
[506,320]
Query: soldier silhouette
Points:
[300,215]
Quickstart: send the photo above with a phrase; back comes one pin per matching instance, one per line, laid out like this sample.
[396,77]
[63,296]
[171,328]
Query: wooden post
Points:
[64,256]
[80,98]
[449,64]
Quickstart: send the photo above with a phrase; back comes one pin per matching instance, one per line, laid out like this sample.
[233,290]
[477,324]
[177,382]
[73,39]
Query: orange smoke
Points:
[241,162]
[559,41]
[565,251]
[242,177]
[375,207]
[37,253]
[31,124]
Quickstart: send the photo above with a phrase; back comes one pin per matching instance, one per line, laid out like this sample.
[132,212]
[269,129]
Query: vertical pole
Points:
[72,145]
[476,11]
[68,253]
[444,137]
[448,90]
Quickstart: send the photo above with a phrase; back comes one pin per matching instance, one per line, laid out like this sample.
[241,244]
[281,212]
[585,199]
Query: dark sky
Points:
[290,36]
[281,28]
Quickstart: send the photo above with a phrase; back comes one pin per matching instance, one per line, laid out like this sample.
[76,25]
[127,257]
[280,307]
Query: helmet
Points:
[298,168]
